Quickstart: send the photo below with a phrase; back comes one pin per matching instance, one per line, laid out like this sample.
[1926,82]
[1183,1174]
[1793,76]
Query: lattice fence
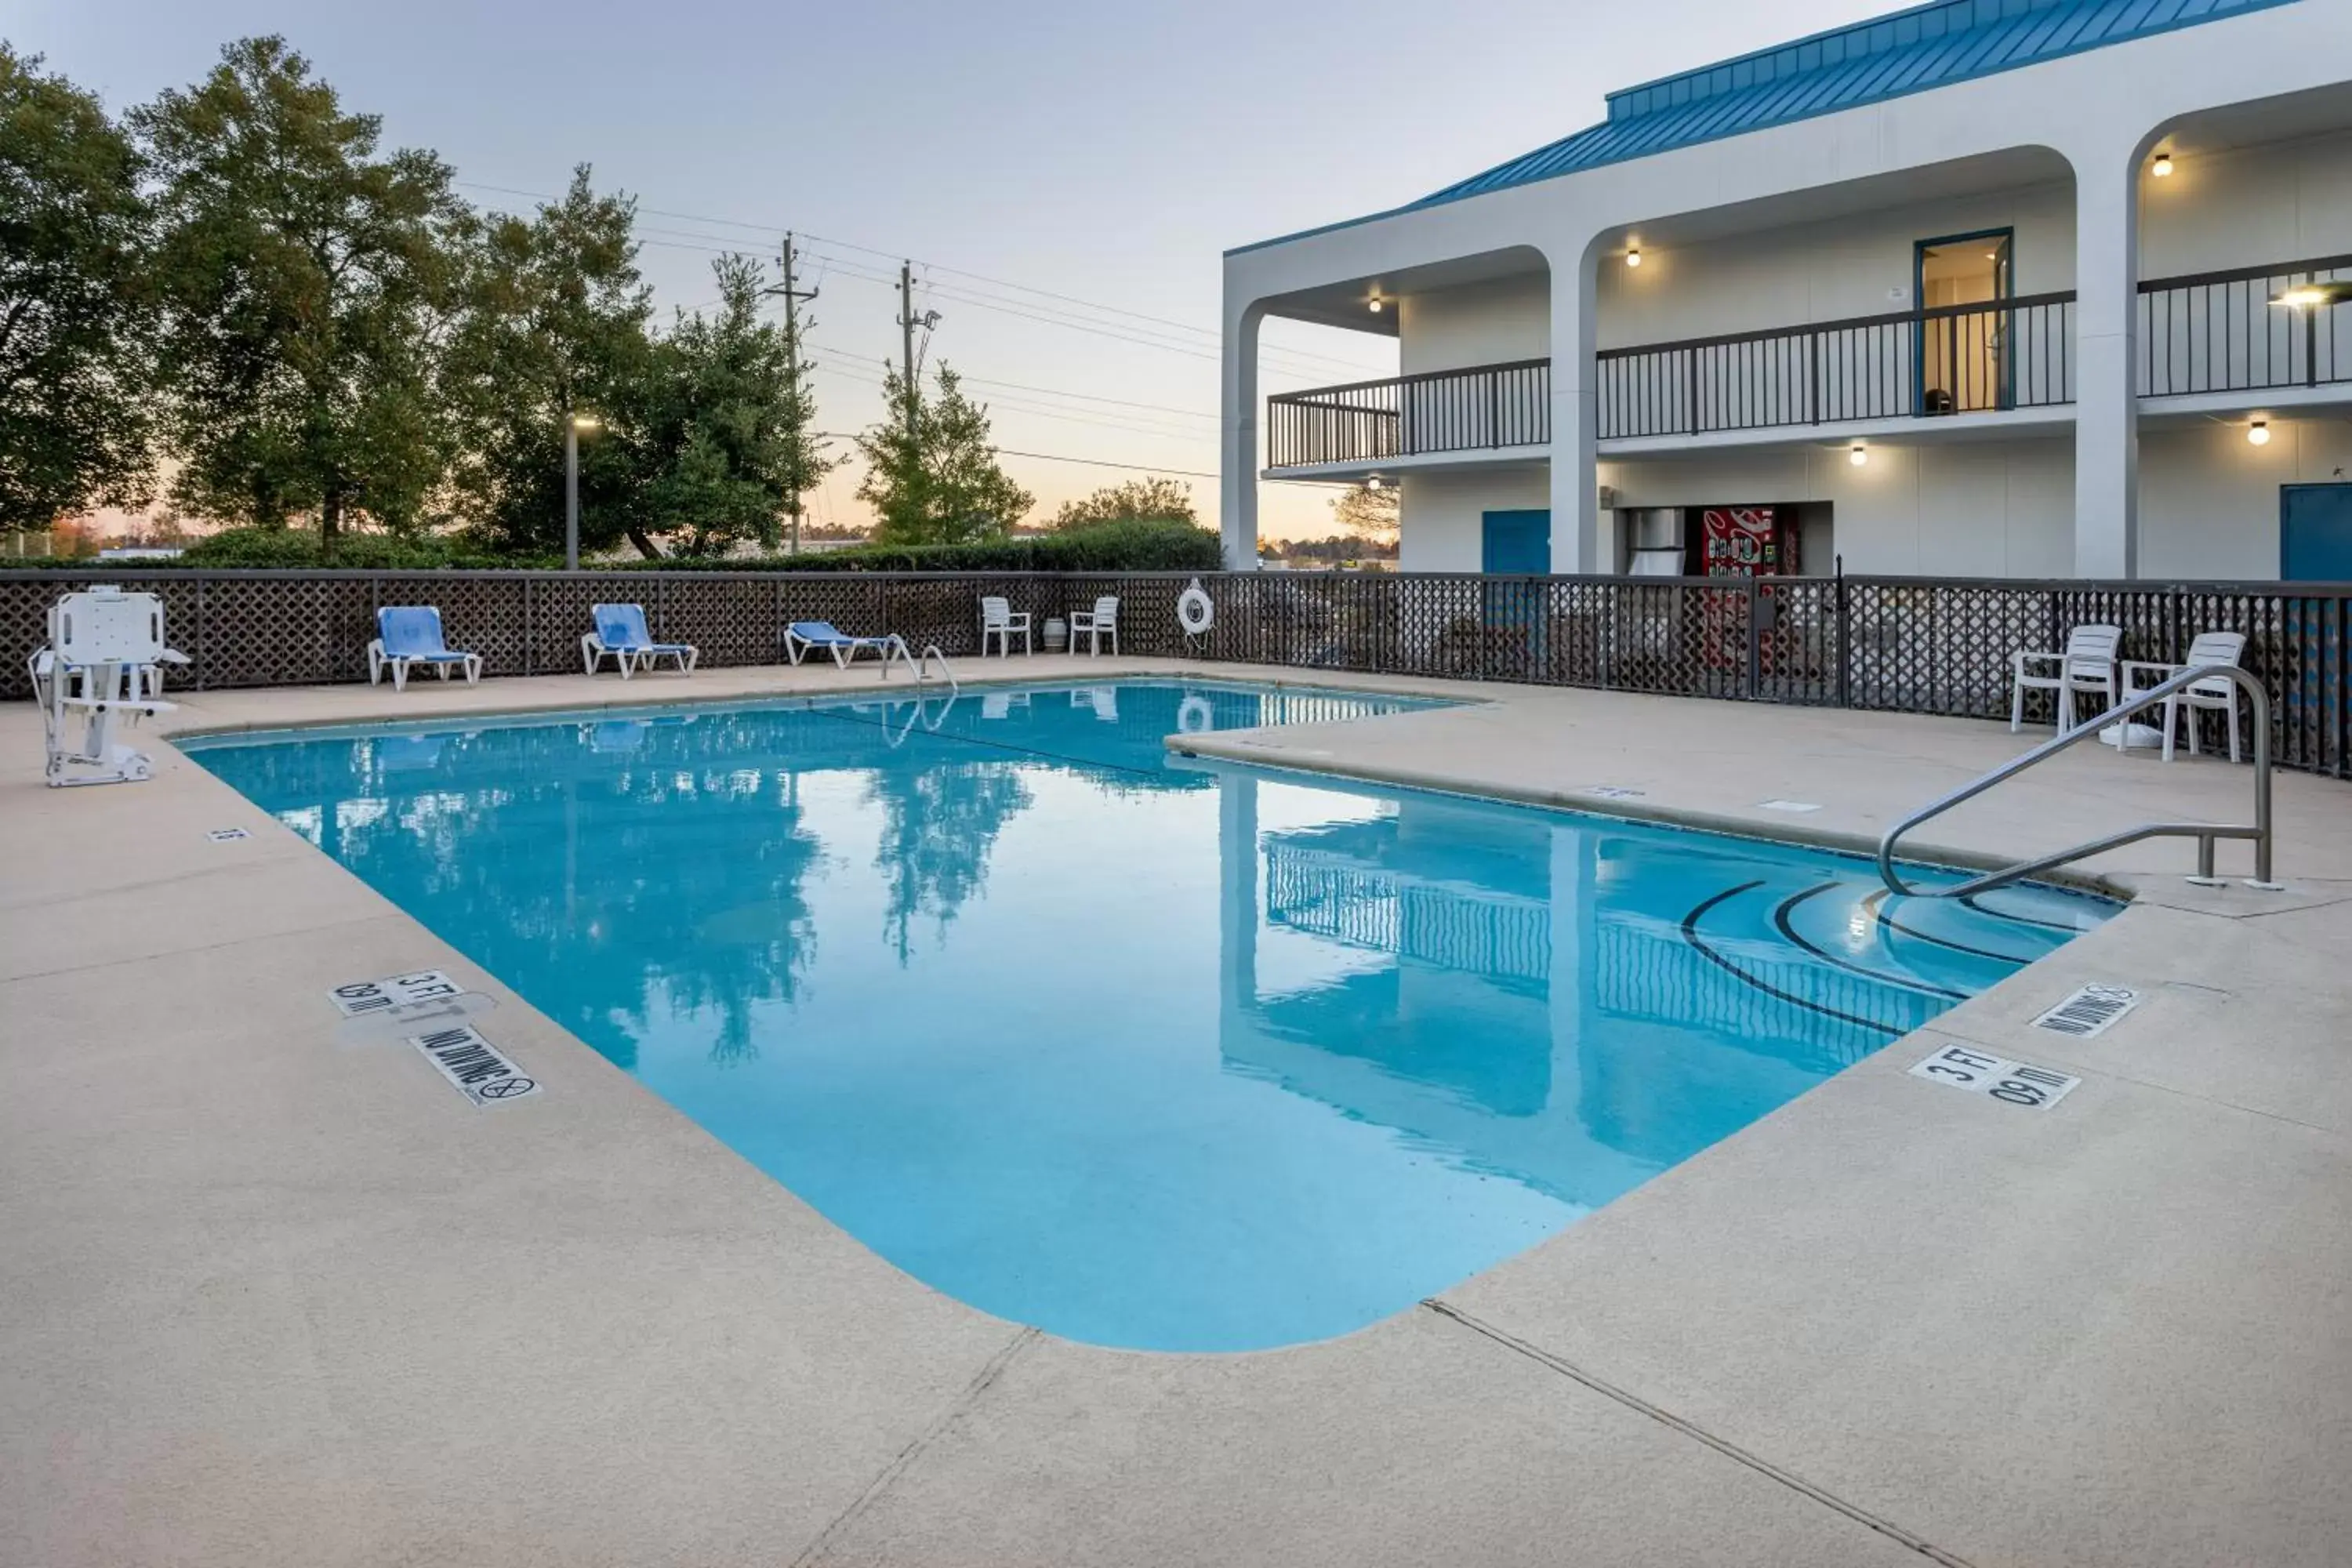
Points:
[1910,644]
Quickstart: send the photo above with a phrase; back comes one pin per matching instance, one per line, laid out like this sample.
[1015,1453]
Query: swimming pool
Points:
[1145,1052]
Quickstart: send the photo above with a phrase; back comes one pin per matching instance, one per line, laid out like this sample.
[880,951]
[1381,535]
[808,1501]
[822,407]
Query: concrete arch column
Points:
[1575,497]
[1237,435]
[2107,353]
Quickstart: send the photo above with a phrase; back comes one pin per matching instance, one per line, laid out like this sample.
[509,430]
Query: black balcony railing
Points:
[1953,359]
[2275,326]
[2248,328]
[1492,405]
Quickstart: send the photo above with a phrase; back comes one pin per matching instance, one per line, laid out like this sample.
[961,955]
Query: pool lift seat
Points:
[103,665]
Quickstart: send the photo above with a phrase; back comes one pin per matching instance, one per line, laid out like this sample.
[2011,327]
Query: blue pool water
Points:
[1144,1052]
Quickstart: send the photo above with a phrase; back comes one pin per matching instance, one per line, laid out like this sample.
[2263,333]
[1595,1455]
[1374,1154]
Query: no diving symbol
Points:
[506,1088]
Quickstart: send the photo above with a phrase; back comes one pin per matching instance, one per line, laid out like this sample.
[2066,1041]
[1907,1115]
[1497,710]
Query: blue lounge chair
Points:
[620,635]
[803,635]
[410,634]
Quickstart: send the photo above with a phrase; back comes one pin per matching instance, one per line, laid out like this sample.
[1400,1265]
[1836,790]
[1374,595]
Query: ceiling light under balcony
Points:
[2259,432]
[2311,296]
[1376,303]
[1374,484]
[1632,256]
[2162,167]
[1858,455]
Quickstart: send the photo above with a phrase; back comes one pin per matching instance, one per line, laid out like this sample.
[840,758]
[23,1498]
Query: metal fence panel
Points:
[1929,646]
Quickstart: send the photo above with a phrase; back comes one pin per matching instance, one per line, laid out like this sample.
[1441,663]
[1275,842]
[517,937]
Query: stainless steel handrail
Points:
[2205,833]
[922,670]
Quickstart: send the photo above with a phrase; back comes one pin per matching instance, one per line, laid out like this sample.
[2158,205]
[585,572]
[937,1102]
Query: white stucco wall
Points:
[1441,529]
[2005,508]
[1480,323]
[2281,202]
[2209,500]
[2288,201]
[1858,266]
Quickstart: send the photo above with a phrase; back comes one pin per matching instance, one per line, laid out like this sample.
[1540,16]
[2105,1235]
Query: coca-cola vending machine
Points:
[1747,541]
[1743,541]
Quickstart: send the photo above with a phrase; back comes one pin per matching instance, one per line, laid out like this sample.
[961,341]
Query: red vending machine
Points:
[1747,541]
[1741,542]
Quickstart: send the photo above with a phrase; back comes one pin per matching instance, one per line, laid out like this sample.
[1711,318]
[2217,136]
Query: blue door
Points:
[1516,543]
[2315,533]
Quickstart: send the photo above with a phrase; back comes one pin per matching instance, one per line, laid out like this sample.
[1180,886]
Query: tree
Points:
[733,442]
[1368,512]
[73,309]
[931,474]
[306,284]
[556,323]
[1151,498]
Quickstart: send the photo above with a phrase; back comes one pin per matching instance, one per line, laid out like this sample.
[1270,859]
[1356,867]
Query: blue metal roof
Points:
[1909,51]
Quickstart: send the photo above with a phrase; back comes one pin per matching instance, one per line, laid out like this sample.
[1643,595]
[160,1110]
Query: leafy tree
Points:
[1368,512]
[73,309]
[307,283]
[931,474]
[1152,497]
[733,438]
[556,323]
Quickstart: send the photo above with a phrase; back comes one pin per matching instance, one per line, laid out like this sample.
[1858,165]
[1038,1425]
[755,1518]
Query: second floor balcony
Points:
[2272,328]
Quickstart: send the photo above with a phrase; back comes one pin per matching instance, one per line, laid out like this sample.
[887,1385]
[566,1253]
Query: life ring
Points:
[1194,716]
[1194,611]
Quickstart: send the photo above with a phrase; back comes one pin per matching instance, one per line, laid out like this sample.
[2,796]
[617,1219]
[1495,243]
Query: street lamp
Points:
[572,425]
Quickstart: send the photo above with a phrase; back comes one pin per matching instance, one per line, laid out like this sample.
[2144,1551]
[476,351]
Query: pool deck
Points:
[274,1296]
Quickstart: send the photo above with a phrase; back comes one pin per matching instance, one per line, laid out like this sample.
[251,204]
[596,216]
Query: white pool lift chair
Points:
[103,665]
[410,634]
[1096,624]
[622,636]
[2087,666]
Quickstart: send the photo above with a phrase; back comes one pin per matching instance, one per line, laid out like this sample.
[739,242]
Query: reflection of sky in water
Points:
[1144,1053]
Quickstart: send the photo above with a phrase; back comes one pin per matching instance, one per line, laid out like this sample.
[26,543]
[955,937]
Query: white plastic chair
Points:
[2219,694]
[104,661]
[1096,624]
[2088,665]
[998,620]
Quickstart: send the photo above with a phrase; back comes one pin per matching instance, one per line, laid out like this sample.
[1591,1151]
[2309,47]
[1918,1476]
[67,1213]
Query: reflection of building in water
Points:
[1481,1013]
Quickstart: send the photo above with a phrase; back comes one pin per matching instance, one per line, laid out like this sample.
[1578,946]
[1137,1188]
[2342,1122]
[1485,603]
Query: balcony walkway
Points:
[263,1311]
[2228,335]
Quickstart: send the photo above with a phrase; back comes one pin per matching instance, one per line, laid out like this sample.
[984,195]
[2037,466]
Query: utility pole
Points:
[908,323]
[907,338]
[793,295]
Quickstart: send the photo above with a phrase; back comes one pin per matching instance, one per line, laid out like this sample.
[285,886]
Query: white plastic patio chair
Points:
[410,634]
[1096,624]
[999,620]
[2088,665]
[104,663]
[2218,694]
[622,636]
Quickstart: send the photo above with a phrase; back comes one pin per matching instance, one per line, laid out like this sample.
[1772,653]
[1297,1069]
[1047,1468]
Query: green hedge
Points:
[1137,545]
[1127,546]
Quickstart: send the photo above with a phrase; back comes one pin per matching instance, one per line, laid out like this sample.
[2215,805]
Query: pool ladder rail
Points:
[2206,833]
[922,666]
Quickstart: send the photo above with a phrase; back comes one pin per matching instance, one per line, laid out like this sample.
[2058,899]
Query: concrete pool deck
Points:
[275,1298]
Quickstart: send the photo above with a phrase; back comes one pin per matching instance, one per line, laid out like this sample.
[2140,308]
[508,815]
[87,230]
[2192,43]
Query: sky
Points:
[1064,176]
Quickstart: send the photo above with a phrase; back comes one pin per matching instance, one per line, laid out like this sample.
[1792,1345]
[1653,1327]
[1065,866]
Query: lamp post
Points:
[572,425]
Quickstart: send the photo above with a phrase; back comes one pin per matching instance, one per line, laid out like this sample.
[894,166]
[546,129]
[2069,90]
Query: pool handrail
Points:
[2205,833]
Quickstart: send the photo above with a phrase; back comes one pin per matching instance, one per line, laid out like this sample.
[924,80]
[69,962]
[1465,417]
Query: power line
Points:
[1098,463]
[771,231]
